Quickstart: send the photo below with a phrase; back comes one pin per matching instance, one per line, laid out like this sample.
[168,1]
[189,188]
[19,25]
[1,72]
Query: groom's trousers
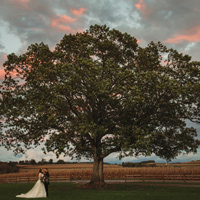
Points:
[46,185]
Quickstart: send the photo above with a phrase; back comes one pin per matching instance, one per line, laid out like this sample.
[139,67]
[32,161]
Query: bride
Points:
[38,190]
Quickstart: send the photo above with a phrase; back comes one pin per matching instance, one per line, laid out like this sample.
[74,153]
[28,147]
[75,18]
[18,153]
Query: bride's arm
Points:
[40,176]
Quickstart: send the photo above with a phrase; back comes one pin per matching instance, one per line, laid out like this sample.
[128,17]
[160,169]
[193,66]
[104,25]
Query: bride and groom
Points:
[40,189]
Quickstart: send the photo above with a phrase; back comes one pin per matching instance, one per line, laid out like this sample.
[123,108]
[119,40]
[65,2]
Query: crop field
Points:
[84,171]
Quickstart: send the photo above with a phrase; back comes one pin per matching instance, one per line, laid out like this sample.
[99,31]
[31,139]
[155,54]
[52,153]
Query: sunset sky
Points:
[175,23]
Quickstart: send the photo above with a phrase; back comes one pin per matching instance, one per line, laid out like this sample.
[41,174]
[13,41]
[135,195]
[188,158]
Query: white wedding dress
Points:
[37,191]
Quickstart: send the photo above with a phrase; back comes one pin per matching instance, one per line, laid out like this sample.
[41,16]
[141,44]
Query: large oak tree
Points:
[97,93]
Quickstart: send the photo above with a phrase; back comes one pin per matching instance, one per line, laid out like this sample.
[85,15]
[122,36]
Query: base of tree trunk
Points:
[95,185]
[98,186]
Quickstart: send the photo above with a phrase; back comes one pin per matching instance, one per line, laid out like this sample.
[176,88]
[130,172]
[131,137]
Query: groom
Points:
[46,180]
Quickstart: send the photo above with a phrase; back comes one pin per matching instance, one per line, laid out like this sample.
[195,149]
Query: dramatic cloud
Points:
[167,21]
[78,12]
[190,36]
[2,74]
[61,23]
[141,6]
[3,58]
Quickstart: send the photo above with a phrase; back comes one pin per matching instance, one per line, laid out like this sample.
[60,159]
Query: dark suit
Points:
[46,182]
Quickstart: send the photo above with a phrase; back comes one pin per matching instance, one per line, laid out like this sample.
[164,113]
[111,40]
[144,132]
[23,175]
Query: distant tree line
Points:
[10,167]
[42,162]
[150,163]
[33,162]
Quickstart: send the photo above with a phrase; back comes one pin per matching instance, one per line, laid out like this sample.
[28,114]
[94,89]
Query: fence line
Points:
[135,177]
[162,177]
[33,179]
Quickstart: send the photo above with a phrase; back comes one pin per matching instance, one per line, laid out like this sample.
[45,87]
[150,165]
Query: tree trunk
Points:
[97,176]
[101,171]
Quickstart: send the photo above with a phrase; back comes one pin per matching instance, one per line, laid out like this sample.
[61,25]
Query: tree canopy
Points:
[97,93]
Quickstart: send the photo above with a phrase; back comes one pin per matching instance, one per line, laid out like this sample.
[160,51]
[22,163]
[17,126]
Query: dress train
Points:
[37,191]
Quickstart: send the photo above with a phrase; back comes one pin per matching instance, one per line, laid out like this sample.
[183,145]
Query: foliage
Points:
[60,161]
[132,164]
[97,93]
[8,167]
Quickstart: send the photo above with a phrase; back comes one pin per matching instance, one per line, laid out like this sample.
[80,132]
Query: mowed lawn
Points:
[128,191]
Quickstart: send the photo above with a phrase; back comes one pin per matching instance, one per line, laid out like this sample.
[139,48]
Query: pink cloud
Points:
[62,19]
[65,28]
[141,6]
[78,12]
[5,57]
[33,29]
[22,1]
[61,22]
[2,74]
[192,35]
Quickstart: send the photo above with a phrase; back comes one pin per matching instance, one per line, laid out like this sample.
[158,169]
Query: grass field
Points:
[72,191]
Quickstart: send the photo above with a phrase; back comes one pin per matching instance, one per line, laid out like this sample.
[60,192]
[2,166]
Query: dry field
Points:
[84,171]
